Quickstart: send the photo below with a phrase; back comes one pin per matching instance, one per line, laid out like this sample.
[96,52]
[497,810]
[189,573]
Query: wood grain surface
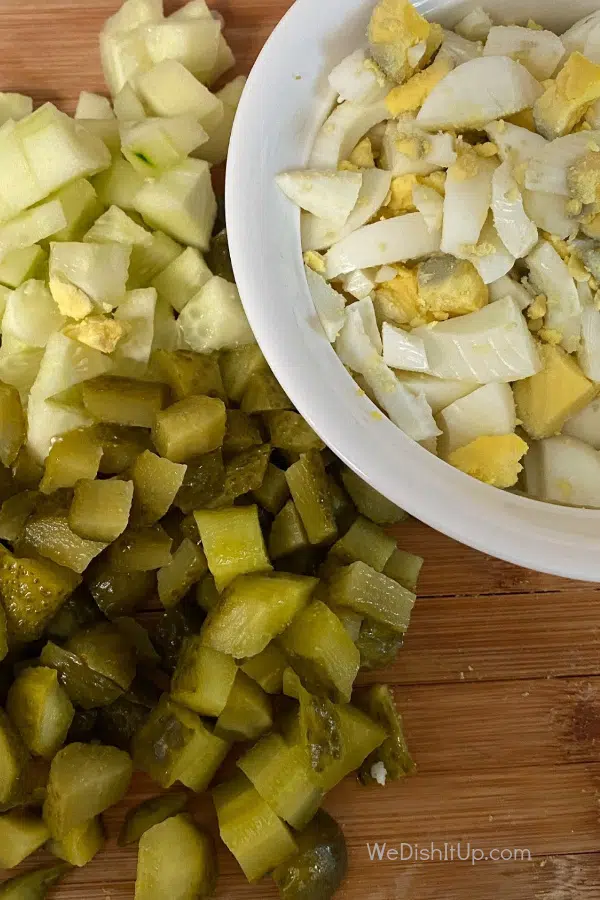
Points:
[499,680]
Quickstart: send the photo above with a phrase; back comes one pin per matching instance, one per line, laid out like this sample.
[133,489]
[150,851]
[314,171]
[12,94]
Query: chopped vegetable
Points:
[177,859]
[100,509]
[233,543]
[81,844]
[319,867]
[33,885]
[41,710]
[148,814]
[190,428]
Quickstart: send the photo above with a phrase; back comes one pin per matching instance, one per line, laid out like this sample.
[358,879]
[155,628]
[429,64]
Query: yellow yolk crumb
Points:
[546,400]
[551,336]
[98,332]
[315,261]
[394,28]
[436,180]
[493,459]
[538,308]
[523,119]
[486,150]
[583,179]
[409,97]
[362,155]
[71,300]
[450,287]
[346,166]
[568,97]
[401,199]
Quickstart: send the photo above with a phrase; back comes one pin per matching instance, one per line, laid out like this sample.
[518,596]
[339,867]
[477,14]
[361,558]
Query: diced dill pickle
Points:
[378,703]
[320,865]
[14,513]
[156,483]
[187,527]
[316,727]
[233,542]
[3,634]
[238,367]
[123,401]
[83,728]
[139,639]
[372,594]
[288,534]
[100,509]
[33,885]
[119,723]
[75,456]
[78,611]
[173,626]
[321,651]
[26,472]
[105,650]
[13,427]
[50,536]
[365,542]
[85,687]
[247,713]
[81,844]
[254,610]
[218,258]
[284,778]
[151,812]
[360,736]
[121,446]
[41,710]
[377,644]
[189,373]
[289,431]
[343,507]
[309,487]
[32,593]
[267,669]
[351,621]
[274,491]
[21,834]
[189,428]
[176,860]
[263,394]
[119,593]
[141,550]
[207,595]
[203,678]
[85,779]
[245,472]
[243,432]
[251,830]
[204,481]
[369,502]
[404,568]
[188,565]
[176,745]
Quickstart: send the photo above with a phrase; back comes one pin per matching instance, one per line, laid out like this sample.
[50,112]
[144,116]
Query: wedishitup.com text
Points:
[444,852]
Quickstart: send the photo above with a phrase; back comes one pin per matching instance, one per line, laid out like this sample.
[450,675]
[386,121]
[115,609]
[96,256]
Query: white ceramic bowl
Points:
[284,103]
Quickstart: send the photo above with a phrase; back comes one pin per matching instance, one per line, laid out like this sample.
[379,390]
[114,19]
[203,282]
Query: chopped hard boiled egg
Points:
[493,459]
[489,410]
[327,195]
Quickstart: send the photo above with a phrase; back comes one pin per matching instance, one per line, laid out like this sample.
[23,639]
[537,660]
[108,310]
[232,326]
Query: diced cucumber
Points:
[182,203]
[115,226]
[195,9]
[19,188]
[169,89]
[31,227]
[215,319]
[153,145]
[124,55]
[137,313]
[21,265]
[192,42]
[80,205]
[182,279]
[31,314]
[118,185]
[128,106]
[107,131]
[134,13]
[225,60]
[93,106]
[148,262]
[19,363]
[15,107]
[215,149]
[99,270]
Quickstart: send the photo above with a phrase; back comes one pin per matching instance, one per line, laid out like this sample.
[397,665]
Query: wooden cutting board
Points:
[499,678]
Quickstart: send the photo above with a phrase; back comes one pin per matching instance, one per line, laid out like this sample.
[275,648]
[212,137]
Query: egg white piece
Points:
[392,240]
[329,303]
[515,229]
[563,470]
[588,354]
[458,49]
[515,144]
[585,425]
[466,206]
[342,131]
[430,204]
[479,91]
[440,151]
[327,195]
[549,275]
[359,283]
[318,234]
[539,51]
[490,410]
[402,350]
[547,170]
[508,287]
[366,311]
[575,38]
[491,258]
[353,345]
[549,212]
[410,412]
[354,79]
[475,26]
[492,344]
[439,392]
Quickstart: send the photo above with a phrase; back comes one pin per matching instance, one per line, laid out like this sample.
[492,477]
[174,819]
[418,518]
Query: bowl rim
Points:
[555,539]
